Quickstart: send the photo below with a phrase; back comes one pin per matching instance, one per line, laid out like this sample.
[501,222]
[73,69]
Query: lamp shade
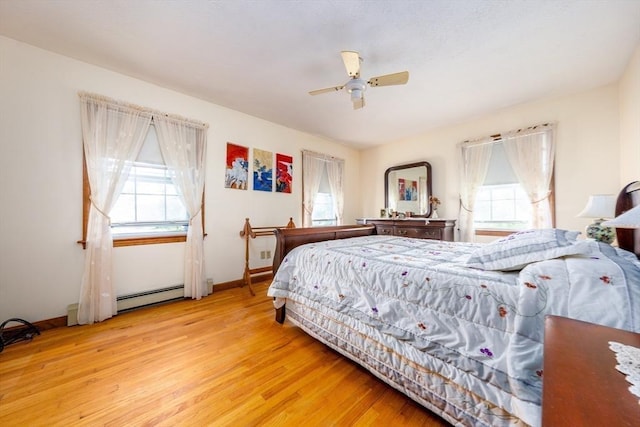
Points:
[600,206]
[629,219]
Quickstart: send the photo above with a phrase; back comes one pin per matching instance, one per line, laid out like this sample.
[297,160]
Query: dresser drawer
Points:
[419,233]
[417,228]
[384,230]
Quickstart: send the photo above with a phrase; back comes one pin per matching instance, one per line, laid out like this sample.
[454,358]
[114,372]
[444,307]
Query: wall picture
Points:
[262,170]
[284,173]
[237,171]
[407,189]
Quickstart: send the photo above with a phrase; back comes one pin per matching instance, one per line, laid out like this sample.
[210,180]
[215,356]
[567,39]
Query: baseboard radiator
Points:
[141,299]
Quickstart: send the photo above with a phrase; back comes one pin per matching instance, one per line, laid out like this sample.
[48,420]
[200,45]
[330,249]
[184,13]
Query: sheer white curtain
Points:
[312,170]
[531,154]
[183,146]
[112,135]
[335,172]
[475,158]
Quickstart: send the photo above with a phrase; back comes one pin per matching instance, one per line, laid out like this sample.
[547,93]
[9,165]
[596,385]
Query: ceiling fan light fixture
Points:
[356,86]
[356,94]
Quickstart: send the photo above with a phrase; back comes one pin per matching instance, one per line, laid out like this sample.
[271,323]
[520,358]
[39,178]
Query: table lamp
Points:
[600,207]
[628,219]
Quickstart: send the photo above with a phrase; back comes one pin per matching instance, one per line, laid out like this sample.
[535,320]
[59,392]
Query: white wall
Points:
[630,121]
[41,183]
[587,156]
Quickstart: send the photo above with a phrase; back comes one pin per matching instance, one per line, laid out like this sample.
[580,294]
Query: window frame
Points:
[325,221]
[552,206]
[327,159]
[131,240]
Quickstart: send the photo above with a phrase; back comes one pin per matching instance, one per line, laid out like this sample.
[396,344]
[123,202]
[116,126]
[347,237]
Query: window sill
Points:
[142,240]
[148,240]
[498,233]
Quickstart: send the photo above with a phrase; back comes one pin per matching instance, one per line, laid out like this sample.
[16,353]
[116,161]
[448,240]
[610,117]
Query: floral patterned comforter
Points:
[465,343]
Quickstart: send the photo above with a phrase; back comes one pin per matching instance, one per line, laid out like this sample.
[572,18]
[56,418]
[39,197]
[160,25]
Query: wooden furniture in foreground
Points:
[247,233]
[581,386]
[418,228]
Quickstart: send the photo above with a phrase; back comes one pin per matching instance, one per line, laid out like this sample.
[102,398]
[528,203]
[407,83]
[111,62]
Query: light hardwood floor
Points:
[220,361]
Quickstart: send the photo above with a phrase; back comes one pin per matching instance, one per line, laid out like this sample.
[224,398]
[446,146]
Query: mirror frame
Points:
[427,165]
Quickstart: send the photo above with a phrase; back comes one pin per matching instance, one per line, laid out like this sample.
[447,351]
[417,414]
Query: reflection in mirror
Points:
[407,189]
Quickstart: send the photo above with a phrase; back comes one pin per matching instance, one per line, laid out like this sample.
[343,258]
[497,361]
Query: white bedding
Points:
[466,343]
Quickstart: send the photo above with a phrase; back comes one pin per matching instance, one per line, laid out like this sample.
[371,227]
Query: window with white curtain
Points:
[501,202]
[507,182]
[113,134]
[149,203]
[323,213]
[149,209]
[322,191]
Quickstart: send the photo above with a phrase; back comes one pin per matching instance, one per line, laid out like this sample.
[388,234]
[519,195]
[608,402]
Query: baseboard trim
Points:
[56,322]
[145,299]
[240,283]
[45,325]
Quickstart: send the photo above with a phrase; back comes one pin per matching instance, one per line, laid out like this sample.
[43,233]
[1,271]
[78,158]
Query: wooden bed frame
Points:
[628,238]
[287,239]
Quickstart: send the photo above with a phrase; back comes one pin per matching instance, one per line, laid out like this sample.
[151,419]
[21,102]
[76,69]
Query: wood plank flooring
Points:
[220,361]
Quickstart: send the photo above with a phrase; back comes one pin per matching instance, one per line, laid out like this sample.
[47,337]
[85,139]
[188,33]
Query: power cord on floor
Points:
[26,332]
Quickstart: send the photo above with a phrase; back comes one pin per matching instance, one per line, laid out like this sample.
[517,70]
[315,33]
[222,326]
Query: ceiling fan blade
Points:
[351,61]
[390,79]
[326,90]
[359,103]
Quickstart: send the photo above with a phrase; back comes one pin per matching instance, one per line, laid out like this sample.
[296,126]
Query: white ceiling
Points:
[466,58]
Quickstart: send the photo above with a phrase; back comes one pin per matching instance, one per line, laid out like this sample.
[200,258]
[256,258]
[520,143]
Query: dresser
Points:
[418,228]
[580,384]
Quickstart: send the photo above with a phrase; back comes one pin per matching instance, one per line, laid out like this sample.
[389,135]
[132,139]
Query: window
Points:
[502,204]
[502,207]
[149,204]
[322,197]
[323,213]
[149,209]
[323,210]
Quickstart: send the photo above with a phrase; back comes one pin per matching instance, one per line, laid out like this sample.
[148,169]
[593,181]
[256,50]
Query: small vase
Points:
[434,213]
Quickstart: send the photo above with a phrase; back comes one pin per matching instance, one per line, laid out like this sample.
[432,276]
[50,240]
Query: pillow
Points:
[524,247]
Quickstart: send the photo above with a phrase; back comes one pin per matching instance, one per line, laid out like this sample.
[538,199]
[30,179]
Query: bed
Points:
[457,327]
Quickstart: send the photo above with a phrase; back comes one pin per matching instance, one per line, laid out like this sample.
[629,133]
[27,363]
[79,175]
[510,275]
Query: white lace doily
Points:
[628,358]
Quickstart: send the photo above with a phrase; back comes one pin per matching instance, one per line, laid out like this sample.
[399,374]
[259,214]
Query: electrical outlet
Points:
[263,255]
[268,254]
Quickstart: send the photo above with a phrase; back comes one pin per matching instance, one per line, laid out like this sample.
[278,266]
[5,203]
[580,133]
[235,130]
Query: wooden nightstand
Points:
[581,386]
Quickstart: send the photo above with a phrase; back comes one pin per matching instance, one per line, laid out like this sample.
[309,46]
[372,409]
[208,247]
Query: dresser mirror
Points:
[407,189]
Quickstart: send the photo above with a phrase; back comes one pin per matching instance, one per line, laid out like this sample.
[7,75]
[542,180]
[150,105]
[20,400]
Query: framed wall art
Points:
[284,173]
[237,171]
[262,170]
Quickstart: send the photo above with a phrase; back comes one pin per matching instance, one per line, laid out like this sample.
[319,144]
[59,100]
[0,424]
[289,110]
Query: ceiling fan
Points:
[356,86]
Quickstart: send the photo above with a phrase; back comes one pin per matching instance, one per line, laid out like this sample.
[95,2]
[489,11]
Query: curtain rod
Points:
[500,137]
[105,99]
[320,156]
